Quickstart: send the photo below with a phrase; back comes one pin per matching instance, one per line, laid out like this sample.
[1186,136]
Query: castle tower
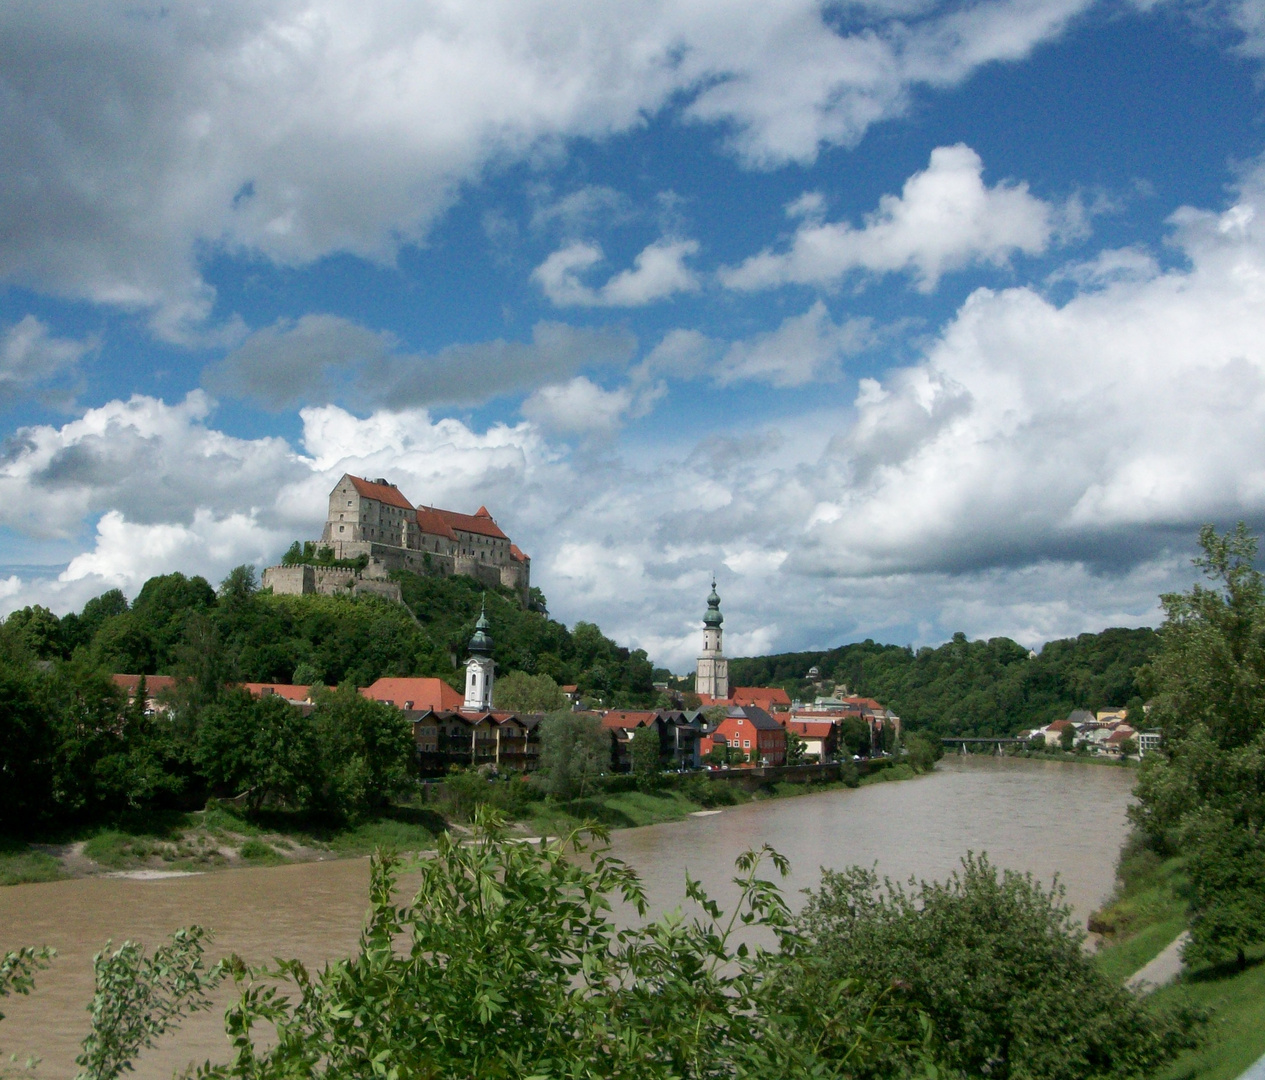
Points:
[712,675]
[480,672]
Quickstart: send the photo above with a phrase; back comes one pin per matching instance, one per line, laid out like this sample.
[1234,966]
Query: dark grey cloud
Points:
[321,358]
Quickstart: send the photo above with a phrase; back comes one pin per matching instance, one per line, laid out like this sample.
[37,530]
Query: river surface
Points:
[1044,817]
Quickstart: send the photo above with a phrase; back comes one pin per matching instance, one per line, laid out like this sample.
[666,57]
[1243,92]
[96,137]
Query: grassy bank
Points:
[1146,914]
[222,837]
[1236,1033]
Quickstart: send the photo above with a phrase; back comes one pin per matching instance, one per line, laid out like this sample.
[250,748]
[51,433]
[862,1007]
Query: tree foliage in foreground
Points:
[995,963]
[507,963]
[1204,793]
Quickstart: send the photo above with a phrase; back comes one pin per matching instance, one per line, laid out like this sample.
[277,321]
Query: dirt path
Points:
[1162,970]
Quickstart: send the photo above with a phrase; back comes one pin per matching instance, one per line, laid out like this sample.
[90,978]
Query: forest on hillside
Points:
[180,625]
[966,687]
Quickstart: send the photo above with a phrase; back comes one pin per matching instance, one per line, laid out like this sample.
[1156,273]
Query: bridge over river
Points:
[974,742]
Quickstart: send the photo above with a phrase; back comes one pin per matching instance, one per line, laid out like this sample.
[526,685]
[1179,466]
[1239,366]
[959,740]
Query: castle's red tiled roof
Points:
[517,553]
[383,493]
[423,693]
[432,522]
[480,523]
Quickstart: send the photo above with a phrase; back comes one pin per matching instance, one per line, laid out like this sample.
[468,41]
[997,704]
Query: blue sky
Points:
[901,317]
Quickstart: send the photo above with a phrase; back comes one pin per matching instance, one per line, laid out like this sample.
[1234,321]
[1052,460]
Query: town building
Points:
[293,693]
[678,736]
[772,699]
[158,690]
[711,678]
[820,738]
[415,694]
[373,522]
[747,728]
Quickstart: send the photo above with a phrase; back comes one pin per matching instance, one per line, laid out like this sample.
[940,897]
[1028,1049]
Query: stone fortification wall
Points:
[331,581]
[309,580]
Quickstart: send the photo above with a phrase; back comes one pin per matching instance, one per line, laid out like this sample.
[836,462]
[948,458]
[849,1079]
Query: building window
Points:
[746,744]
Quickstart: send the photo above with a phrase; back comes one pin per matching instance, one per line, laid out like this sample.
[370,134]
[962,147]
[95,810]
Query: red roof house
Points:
[768,698]
[744,729]
[415,694]
[296,695]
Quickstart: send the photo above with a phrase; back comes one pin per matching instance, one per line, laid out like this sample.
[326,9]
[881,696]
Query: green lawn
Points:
[20,866]
[625,809]
[1146,914]
[1147,911]
[1235,1037]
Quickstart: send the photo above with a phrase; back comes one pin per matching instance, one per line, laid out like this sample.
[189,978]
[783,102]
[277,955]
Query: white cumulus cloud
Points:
[658,271]
[136,138]
[944,219]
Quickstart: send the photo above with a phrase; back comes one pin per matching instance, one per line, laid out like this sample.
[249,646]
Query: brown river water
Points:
[1044,817]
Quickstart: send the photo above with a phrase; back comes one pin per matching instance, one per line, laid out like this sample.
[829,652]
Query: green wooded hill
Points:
[180,625]
[971,687]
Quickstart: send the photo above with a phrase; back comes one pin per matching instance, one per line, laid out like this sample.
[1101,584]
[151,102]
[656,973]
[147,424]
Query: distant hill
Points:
[970,687]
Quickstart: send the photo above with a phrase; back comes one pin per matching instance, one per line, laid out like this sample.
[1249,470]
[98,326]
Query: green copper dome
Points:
[713,616]
[481,642]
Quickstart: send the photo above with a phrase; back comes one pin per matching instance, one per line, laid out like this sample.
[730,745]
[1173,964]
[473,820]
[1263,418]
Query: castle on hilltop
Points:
[370,521]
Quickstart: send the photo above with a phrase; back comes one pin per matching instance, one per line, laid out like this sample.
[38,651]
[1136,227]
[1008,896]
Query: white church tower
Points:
[712,674]
[480,672]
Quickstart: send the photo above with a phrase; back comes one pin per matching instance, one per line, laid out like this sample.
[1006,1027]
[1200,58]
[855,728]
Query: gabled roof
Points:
[517,553]
[1060,725]
[423,693]
[754,715]
[624,719]
[812,729]
[480,522]
[764,696]
[289,691]
[432,522]
[383,493]
[153,683]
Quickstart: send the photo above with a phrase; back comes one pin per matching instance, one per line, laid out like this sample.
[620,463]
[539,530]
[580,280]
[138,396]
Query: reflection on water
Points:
[1045,817]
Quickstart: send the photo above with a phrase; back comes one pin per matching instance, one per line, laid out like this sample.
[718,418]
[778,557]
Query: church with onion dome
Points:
[711,677]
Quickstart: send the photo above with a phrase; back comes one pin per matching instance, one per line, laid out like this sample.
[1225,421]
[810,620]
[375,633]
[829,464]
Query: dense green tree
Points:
[644,755]
[265,749]
[365,751]
[520,692]
[574,751]
[38,631]
[1203,793]
[996,964]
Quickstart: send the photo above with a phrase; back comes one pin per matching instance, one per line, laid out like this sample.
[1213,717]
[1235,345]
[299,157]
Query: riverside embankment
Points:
[1045,818]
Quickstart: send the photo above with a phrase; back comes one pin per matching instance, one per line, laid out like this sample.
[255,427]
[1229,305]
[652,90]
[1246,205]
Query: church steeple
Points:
[711,677]
[480,667]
